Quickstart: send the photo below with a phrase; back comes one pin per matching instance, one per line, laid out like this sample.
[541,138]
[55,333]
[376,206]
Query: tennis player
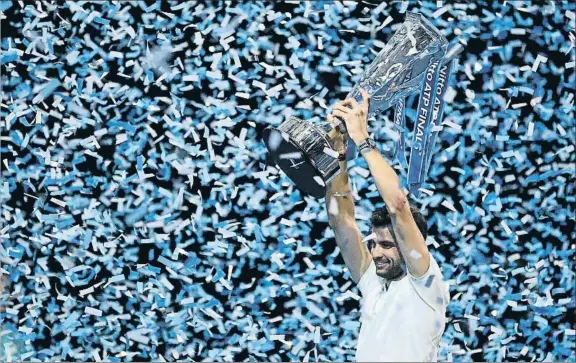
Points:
[404,297]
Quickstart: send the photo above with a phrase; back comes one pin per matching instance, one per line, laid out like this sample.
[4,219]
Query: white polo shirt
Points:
[404,322]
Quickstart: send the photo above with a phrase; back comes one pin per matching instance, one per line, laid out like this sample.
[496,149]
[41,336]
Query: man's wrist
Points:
[358,140]
[342,194]
[366,145]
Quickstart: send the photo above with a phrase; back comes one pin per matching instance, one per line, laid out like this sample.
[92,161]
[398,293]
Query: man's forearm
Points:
[386,180]
[344,204]
[405,231]
[346,232]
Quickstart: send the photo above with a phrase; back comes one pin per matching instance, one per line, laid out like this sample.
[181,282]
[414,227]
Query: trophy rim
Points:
[323,133]
[428,26]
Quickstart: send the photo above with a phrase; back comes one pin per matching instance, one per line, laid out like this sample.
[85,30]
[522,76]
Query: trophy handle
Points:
[340,126]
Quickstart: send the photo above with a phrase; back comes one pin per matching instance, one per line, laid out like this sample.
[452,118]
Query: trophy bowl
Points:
[301,150]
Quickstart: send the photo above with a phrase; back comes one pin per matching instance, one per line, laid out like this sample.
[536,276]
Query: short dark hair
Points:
[381,218]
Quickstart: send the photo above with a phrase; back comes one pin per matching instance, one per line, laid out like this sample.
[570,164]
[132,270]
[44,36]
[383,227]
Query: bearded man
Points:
[404,297]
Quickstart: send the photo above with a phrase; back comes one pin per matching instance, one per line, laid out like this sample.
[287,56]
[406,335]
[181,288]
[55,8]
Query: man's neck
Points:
[397,278]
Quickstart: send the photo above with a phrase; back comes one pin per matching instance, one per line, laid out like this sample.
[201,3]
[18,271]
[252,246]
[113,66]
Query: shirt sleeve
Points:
[369,281]
[431,287]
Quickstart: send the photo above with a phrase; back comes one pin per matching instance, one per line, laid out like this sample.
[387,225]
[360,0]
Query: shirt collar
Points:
[387,283]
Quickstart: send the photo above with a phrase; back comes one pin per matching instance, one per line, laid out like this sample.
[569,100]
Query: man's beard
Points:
[393,270]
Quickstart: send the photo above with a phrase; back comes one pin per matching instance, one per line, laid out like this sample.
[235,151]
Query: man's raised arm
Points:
[340,208]
[410,240]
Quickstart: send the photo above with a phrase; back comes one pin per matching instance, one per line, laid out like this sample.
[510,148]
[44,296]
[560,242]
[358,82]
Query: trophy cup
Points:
[413,59]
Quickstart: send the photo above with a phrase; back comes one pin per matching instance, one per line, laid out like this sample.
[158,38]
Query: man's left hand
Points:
[355,116]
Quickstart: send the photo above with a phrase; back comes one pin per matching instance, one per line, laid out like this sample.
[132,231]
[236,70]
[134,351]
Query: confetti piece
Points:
[364,173]
[299,287]
[371,236]
[316,310]
[294,155]
[518,105]
[46,91]
[287,222]
[451,124]
[506,228]
[289,240]
[518,31]
[333,207]
[415,255]
[440,11]
[274,140]
[429,281]
[139,335]
[87,291]
[330,152]
[539,59]
[188,300]
[449,205]
[92,311]
[570,15]
[317,335]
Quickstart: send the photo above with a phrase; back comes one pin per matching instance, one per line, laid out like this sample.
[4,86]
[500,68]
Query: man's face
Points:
[387,258]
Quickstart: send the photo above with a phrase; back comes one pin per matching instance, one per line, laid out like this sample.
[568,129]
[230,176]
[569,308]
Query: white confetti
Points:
[316,310]
[539,59]
[333,206]
[371,236]
[292,155]
[87,291]
[319,180]
[452,124]
[299,287]
[506,228]
[287,222]
[92,311]
[331,152]
[364,173]
[449,205]
[289,240]
[415,255]
[274,140]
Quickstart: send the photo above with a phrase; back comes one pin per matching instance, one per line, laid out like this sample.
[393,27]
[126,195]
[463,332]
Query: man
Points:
[403,296]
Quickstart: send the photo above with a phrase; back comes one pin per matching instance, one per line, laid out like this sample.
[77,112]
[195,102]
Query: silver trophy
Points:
[305,152]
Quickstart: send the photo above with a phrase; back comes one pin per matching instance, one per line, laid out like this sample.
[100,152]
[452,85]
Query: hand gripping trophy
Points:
[414,59]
